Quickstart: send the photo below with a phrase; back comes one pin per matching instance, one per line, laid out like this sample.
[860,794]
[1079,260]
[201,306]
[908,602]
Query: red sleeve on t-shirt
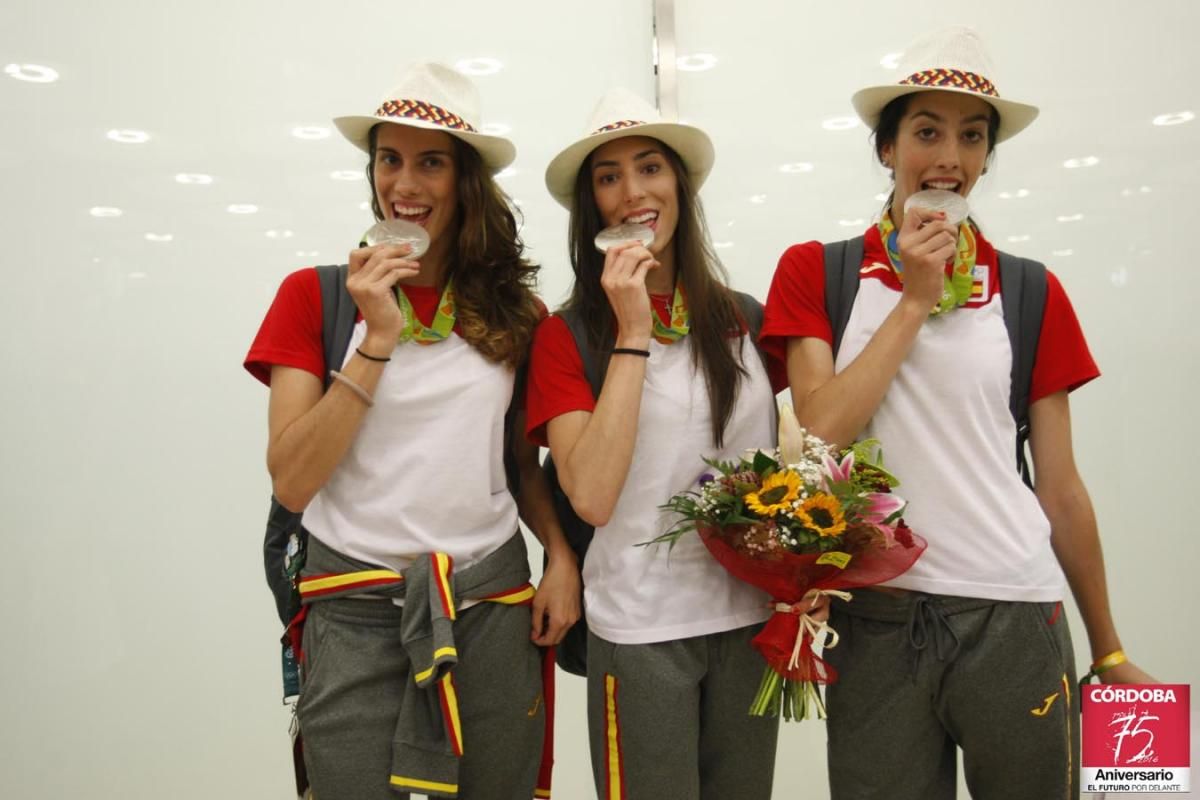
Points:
[557,383]
[796,301]
[1063,360]
[290,334]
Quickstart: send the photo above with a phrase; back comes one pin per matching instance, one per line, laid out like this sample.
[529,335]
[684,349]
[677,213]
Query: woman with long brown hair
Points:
[421,671]
[671,672]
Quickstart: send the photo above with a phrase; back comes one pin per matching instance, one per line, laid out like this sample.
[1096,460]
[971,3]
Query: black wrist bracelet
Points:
[372,358]
[630,351]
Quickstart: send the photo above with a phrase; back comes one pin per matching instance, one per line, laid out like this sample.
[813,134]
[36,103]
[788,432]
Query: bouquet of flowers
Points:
[799,522]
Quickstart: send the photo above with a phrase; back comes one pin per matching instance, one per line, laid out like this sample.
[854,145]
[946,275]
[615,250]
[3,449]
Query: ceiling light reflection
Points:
[495,129]
[840,123]
[1069,217]
[1023,237]
[1120,277]
[852,223]
[159,237]
[758,199]
[194,178]
[105,211]
[346,174]
[891,60]
[279,234]
[1064,253]
[1018,194]
[696,62]
[479,66]
[310,132]
[1176,118]
[128,136]
[242,208]
[722,245]
[32,73]
[1085,161]
[796,167]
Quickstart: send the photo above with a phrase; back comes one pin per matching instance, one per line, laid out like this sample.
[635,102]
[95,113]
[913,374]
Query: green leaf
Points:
[763,462]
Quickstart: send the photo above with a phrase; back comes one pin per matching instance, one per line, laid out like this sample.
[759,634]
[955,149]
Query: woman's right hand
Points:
[624,282]
[927,242]
[374,273]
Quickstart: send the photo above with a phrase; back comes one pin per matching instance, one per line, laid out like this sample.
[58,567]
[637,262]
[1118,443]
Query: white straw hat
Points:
[949,60]
[622,113]
[434,97]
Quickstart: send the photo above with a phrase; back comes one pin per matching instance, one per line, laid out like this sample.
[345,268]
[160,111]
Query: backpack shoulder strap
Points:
[842,263]
[338,315]
[1023,297]
[594,365]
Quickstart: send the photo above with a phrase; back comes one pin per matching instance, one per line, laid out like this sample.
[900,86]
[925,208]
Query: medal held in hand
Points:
[626,232]
[398,231]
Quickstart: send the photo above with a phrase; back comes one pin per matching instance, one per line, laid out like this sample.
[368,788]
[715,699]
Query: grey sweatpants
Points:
[355,677]
[670,720]
[920,675]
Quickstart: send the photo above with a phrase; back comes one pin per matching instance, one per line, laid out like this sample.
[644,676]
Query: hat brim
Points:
[496,151]
[692,144]
[870,102]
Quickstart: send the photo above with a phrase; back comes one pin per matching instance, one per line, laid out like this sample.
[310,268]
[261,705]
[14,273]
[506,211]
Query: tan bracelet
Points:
[352,386]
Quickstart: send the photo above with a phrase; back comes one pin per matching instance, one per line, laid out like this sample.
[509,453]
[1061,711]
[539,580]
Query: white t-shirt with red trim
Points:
[425,472]
[638,595]
[944,424]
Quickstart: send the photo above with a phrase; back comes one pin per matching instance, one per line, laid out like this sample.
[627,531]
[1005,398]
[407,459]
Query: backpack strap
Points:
[843,260]
[1023,296]
[338,315]
[752,314]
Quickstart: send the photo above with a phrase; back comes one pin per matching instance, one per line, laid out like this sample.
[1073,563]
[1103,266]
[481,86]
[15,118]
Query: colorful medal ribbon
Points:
[443,320]
[681,320]
[956,287]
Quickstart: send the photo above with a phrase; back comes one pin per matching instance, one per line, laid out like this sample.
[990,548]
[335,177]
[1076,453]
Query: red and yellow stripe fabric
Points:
[320,585]
[614,784]
[443,566]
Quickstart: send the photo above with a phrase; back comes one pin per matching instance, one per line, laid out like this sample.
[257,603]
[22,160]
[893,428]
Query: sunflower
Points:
[822,513]
[776,494]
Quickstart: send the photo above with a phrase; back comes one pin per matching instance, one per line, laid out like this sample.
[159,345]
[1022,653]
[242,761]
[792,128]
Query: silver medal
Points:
[398,231]
[953,204]
[626,232]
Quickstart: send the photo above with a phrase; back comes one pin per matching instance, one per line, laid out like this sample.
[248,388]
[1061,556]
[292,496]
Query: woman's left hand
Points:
[556,605]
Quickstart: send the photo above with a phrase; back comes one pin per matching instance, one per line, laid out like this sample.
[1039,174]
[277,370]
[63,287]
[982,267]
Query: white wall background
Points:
[139,655]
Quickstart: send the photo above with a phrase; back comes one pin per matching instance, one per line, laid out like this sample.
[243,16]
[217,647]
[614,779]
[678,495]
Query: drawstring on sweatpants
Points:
[928,622]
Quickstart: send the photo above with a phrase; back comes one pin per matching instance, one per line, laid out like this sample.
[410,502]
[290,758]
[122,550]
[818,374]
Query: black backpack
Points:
[1023,289]
[285,542]
[284,528]
[571,652]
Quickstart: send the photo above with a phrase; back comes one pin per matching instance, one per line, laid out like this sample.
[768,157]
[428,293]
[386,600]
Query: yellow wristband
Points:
[1111,660]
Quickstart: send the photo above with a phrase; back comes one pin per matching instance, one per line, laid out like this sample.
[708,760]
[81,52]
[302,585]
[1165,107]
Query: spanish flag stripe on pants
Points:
[1066,684]
[615,779]
[442,566]
[449,698]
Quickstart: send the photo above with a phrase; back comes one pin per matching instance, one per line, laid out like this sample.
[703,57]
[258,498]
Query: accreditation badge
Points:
[1136,738]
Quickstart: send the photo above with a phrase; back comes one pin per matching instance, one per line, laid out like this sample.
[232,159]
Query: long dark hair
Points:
[714,313]
[493,282]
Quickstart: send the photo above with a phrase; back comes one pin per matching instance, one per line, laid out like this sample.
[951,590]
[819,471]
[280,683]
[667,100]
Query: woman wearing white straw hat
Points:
[421,671]
[970,647]
[671,672]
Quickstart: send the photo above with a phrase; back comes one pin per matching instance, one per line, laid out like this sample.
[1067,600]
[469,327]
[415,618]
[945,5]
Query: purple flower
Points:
[706,479]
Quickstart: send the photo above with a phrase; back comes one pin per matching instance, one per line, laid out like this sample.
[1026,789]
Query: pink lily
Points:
[880,506]
[835,472]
